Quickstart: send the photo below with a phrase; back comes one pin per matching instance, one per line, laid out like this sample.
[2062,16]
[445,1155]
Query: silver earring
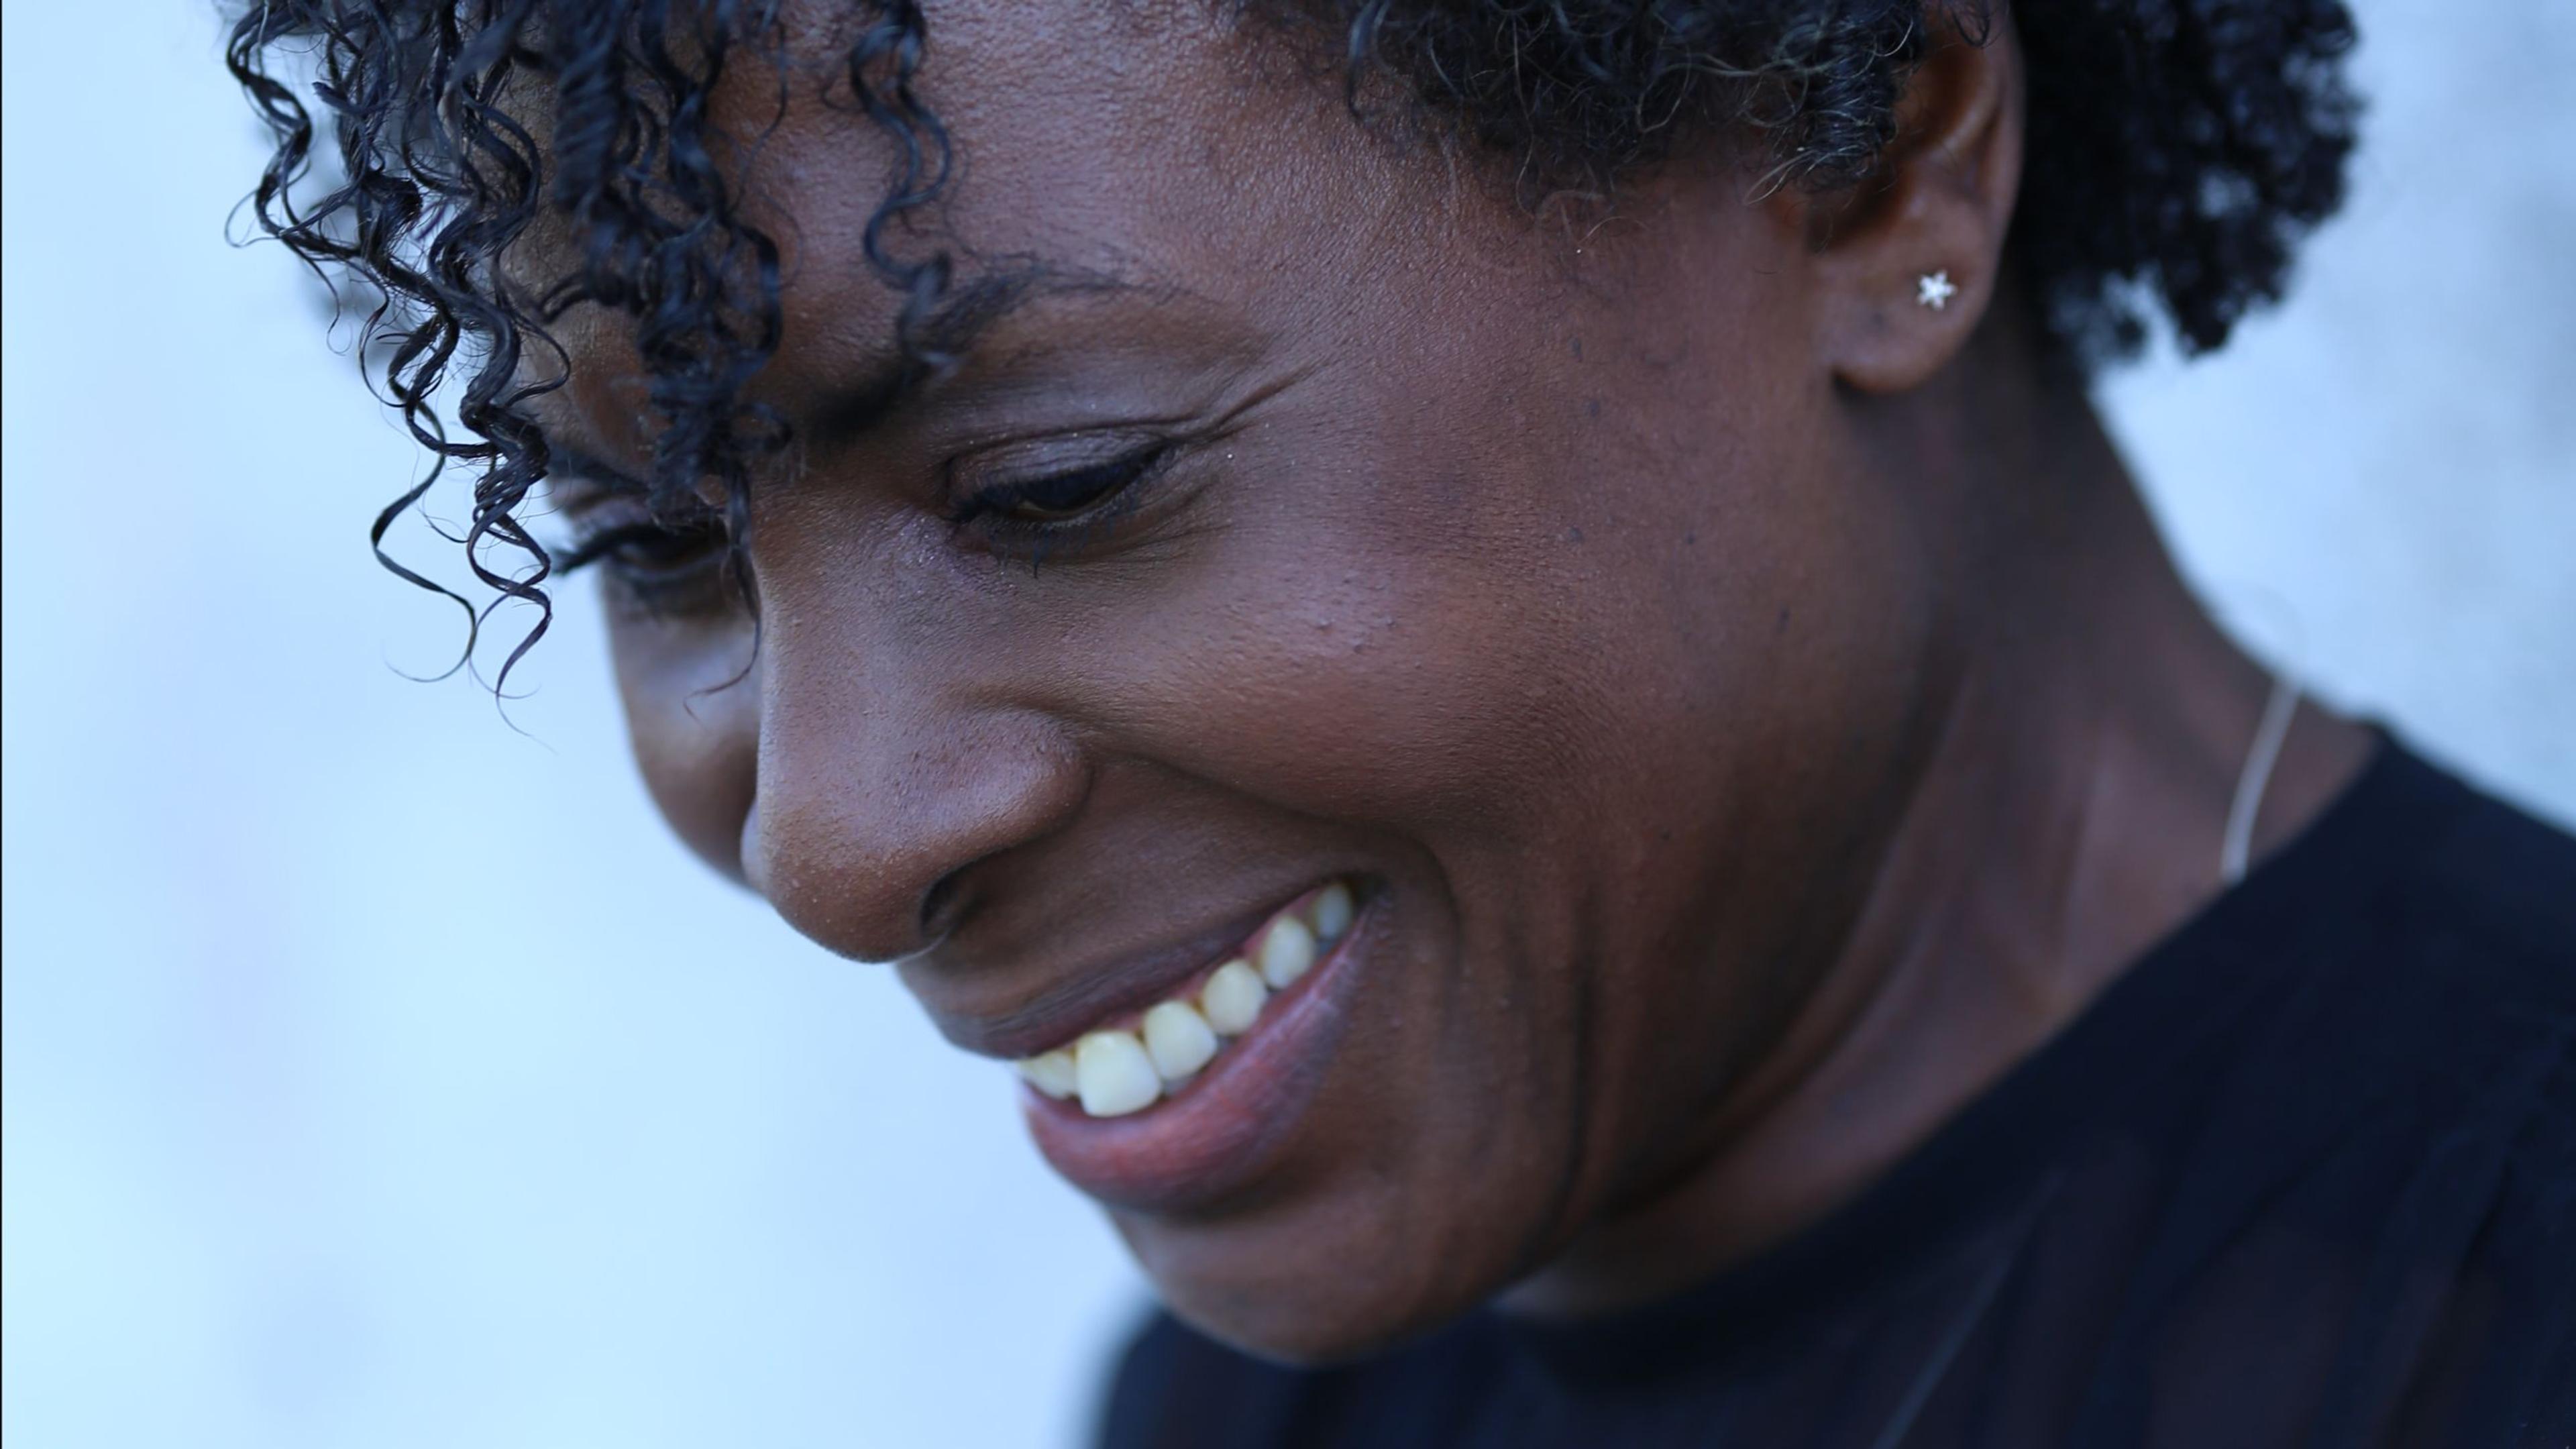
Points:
[1934,290]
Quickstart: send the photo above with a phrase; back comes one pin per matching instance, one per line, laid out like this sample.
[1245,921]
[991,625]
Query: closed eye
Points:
[1059,497]
[642,548]
[669,567]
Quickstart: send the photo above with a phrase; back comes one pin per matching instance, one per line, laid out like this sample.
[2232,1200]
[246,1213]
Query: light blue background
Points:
[377,1076]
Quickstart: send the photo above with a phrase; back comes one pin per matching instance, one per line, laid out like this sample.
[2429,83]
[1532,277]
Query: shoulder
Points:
[2449,969]
[2496,885]
[2428,910]
[2434,1021]
[2468,949]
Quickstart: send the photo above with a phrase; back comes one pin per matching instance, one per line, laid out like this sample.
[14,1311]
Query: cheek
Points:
[1330,668]
[693,717]
[1584,690]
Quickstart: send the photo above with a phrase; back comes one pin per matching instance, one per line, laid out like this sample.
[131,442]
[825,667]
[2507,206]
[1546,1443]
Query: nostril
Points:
[940,906]
[869,824]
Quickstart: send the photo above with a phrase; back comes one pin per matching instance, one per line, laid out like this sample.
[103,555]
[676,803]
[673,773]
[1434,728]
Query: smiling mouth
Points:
[1123,1066]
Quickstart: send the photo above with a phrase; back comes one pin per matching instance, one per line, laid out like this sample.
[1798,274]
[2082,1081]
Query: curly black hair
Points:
[2177,150]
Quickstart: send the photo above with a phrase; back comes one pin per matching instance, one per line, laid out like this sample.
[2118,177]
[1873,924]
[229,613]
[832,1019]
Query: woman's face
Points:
[1305,513]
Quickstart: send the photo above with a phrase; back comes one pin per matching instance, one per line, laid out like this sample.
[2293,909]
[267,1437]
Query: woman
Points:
[1496,643]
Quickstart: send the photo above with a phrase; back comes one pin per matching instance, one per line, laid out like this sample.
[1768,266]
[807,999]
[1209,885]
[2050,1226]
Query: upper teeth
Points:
[1115,1072]
[1116,1076]
[1233,997]
[1178,1039]
[1286,951]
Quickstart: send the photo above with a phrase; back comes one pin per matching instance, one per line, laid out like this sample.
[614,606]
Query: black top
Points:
[2305,1175]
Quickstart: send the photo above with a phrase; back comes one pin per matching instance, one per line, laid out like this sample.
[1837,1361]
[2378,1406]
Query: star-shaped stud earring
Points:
[1935,289]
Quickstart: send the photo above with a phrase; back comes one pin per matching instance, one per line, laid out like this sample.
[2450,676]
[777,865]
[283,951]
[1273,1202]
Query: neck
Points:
[2069,812]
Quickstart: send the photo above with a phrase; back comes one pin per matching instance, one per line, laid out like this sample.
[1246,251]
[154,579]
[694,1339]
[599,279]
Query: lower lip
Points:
[1219,1131]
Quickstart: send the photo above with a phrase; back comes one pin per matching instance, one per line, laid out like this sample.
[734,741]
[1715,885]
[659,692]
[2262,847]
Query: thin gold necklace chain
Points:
[2237,849]
[2251,783]
[1981,1301]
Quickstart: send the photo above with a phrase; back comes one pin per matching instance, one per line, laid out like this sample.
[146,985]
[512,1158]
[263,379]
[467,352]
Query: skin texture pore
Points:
[1758,705]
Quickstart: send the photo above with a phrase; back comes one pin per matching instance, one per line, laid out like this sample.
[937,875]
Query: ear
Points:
[1908,261]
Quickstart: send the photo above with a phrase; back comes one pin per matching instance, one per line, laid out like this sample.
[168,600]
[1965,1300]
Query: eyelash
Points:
[695,554]
[1108,490]
[1105,493]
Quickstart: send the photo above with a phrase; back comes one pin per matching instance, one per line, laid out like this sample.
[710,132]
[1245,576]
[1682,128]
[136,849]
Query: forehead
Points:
[1150,150]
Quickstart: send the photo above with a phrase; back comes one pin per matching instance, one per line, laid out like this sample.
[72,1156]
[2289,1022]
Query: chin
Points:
[1309,1282]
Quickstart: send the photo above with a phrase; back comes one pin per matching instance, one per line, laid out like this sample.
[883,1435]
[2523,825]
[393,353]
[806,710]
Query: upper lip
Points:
[1080,998]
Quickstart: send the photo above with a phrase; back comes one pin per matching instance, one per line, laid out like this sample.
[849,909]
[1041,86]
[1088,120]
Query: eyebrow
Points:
[935,344]
[931,346]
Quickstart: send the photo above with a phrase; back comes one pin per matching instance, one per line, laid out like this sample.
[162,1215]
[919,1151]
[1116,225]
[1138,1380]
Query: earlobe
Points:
[1911,258]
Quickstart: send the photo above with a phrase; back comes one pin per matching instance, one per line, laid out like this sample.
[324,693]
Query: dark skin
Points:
[1758,704]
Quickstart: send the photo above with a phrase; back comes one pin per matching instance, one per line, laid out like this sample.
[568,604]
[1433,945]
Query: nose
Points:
[881,783]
